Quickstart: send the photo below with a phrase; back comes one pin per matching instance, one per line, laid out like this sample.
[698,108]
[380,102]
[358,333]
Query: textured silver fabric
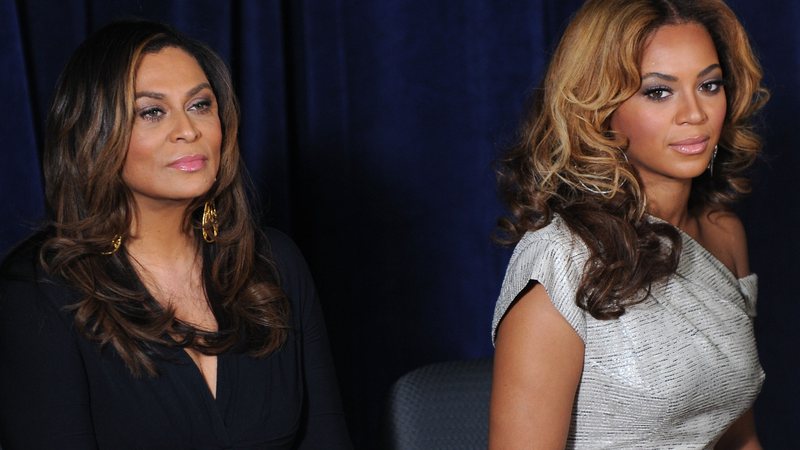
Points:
[674,371]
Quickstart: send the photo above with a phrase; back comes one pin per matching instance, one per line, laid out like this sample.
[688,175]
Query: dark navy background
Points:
[369,128]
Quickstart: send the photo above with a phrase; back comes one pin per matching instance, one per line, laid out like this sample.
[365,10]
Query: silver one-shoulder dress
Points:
[674,371]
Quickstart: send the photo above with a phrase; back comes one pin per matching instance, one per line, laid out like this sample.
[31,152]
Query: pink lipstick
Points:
[691,146]
[191,163]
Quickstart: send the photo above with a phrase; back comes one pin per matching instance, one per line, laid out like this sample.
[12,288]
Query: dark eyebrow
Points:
[149,94]
[708,69]
[201,86]
[160,96]
[666,77]
[662,76]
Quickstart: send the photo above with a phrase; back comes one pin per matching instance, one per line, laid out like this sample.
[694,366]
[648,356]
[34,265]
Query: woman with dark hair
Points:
[625,318]
[151,312]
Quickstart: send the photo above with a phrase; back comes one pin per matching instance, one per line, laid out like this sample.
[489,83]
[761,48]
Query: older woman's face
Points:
[675,120]
[174,150]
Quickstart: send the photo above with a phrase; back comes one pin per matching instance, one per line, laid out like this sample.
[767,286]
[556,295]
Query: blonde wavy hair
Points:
[567,159]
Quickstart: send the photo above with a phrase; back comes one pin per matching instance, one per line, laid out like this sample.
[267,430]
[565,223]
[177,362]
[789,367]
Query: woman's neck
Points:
[167,260]
[158,236]
[669,200]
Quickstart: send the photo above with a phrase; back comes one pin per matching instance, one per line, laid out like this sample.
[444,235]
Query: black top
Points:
[60,390]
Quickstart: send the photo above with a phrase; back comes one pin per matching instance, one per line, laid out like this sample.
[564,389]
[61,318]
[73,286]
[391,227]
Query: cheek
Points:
[214,136]
[718,114]
[641,127]
[648,132]
[138,159]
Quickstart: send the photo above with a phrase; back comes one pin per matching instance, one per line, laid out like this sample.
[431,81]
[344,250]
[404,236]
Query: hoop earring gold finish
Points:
[116,243]
[209,224]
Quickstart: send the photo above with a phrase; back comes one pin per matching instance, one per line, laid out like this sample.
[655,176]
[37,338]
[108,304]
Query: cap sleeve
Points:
[554,257]
[749,288]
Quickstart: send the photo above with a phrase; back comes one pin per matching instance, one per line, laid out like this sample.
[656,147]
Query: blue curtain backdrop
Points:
[369,128]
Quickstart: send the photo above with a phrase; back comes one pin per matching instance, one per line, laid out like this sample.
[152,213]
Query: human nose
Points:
[691,110]
[184,129]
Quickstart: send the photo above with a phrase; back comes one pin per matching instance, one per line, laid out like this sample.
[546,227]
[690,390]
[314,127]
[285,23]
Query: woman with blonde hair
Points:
[151,312]
[625,318]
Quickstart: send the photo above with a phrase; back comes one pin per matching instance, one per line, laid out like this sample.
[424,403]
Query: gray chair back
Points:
[442,406]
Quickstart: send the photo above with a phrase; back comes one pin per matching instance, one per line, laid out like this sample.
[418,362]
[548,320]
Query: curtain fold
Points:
[20,183]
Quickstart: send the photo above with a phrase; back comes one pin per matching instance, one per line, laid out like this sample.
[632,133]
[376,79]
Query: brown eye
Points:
[658,93]
[151,113]
[201,105]
[712,86]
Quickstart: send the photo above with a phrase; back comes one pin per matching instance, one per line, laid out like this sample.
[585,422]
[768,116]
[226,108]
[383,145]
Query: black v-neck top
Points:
[58,390]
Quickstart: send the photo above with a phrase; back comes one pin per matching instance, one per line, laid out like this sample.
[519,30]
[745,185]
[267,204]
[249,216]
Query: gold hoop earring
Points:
[116,243]
[209,224]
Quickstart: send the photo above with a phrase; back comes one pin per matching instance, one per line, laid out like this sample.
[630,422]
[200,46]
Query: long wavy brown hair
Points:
[568,161]
[87,135]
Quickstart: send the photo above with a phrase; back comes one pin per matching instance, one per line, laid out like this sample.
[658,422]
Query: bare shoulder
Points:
[722,233]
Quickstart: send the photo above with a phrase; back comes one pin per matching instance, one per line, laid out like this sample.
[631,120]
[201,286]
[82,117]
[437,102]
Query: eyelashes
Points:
[658,93]
[151,114]
[156,113]
[201,105]
[713,86]
[663,92]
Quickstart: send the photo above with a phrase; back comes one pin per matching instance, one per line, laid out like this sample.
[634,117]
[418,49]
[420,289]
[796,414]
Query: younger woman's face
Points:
[674,121]
[174,150]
